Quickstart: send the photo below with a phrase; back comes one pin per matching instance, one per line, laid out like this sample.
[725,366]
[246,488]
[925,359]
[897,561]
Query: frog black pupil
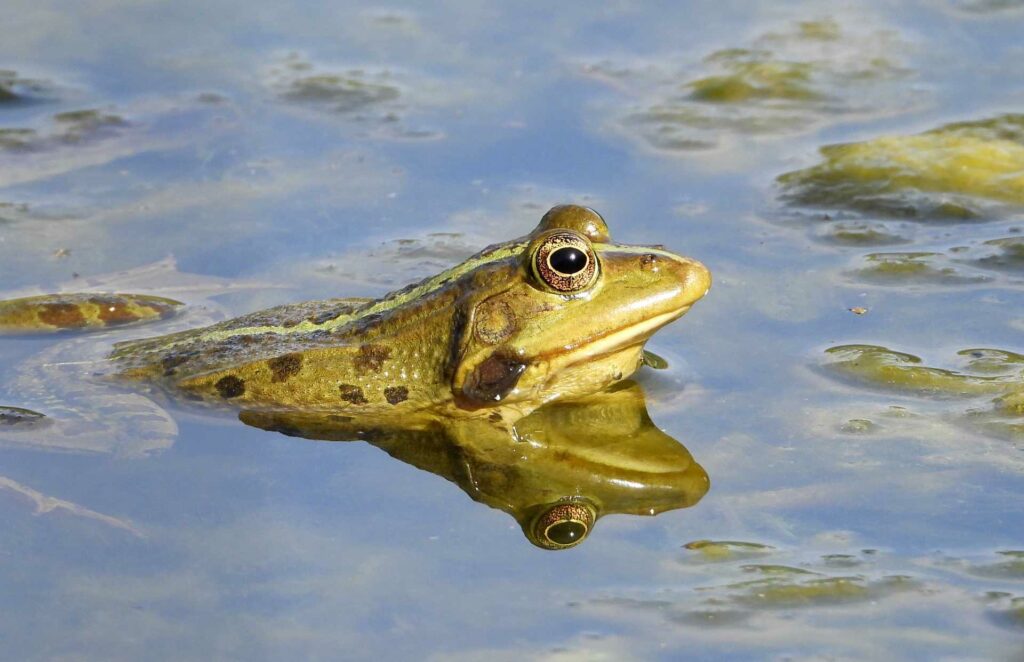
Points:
[566,533]
[568,260]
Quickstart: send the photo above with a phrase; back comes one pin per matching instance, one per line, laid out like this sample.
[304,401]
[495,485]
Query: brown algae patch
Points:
[960,171]
[781,82]
[376,96]
[66,128]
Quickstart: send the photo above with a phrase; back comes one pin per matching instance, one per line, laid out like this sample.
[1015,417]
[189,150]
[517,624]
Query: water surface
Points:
[340,150]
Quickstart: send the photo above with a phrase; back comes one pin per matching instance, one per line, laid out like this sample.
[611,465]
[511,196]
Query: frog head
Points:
[567,313]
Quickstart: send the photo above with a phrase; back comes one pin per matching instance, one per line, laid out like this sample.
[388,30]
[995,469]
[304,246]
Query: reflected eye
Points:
[565,262]
[563,525]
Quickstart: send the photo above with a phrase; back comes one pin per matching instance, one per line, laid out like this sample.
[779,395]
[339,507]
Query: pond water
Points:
[852,384]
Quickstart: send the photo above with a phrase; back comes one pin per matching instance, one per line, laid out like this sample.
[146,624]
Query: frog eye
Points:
[563,525]
[565,262]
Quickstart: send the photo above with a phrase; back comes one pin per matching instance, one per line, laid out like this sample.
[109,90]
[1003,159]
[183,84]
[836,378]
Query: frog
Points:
[507,374]
[562,311]
[557,471]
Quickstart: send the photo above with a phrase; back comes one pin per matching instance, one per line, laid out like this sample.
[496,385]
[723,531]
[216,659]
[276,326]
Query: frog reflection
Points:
[556,471]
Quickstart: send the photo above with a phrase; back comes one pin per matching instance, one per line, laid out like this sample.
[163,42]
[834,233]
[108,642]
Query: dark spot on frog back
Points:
[282,368]
[352,393]
[172,361]
[371,358]
[62,315]
[396,394]
[230,386]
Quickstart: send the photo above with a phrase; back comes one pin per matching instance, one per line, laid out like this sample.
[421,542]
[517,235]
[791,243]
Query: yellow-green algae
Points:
[727,550]
[750,76]
[957,171]
[785,587]
[1006,254]
[1011,566]
[988,371]
[780,82]
[860,233]
[904,268]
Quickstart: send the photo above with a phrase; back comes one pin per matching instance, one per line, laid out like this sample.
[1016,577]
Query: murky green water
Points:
[865,501]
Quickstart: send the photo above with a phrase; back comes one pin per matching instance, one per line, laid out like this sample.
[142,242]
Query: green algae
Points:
[858,233]
[342,92]
[958,172]
[17,139]
[785,590]
[78,125]
[1004,254]
[71,127]
[775,570]
[1010,567]
[983,7]
[905,268]
[727,550]
[780,82]
[754,79]
[841,560]
[15,88]
[859,426]
[882,367]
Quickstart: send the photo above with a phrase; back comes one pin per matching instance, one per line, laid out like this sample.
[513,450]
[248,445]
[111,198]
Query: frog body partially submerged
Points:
[560,312]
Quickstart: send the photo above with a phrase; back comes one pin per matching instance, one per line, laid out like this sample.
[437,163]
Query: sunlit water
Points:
[329,150]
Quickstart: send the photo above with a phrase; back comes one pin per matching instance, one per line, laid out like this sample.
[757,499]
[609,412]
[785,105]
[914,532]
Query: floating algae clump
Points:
[751,77]
[987,371]
[722,550]
[909,268]
[1007,254]
[957,171]
[781,82]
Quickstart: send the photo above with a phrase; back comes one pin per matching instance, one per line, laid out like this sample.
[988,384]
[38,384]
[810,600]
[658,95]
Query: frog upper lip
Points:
[615,340]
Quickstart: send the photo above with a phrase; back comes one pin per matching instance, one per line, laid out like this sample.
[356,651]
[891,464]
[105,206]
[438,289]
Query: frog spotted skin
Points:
[560,312]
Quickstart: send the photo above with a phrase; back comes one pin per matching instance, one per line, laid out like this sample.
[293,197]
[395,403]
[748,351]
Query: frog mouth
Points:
[623,338]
